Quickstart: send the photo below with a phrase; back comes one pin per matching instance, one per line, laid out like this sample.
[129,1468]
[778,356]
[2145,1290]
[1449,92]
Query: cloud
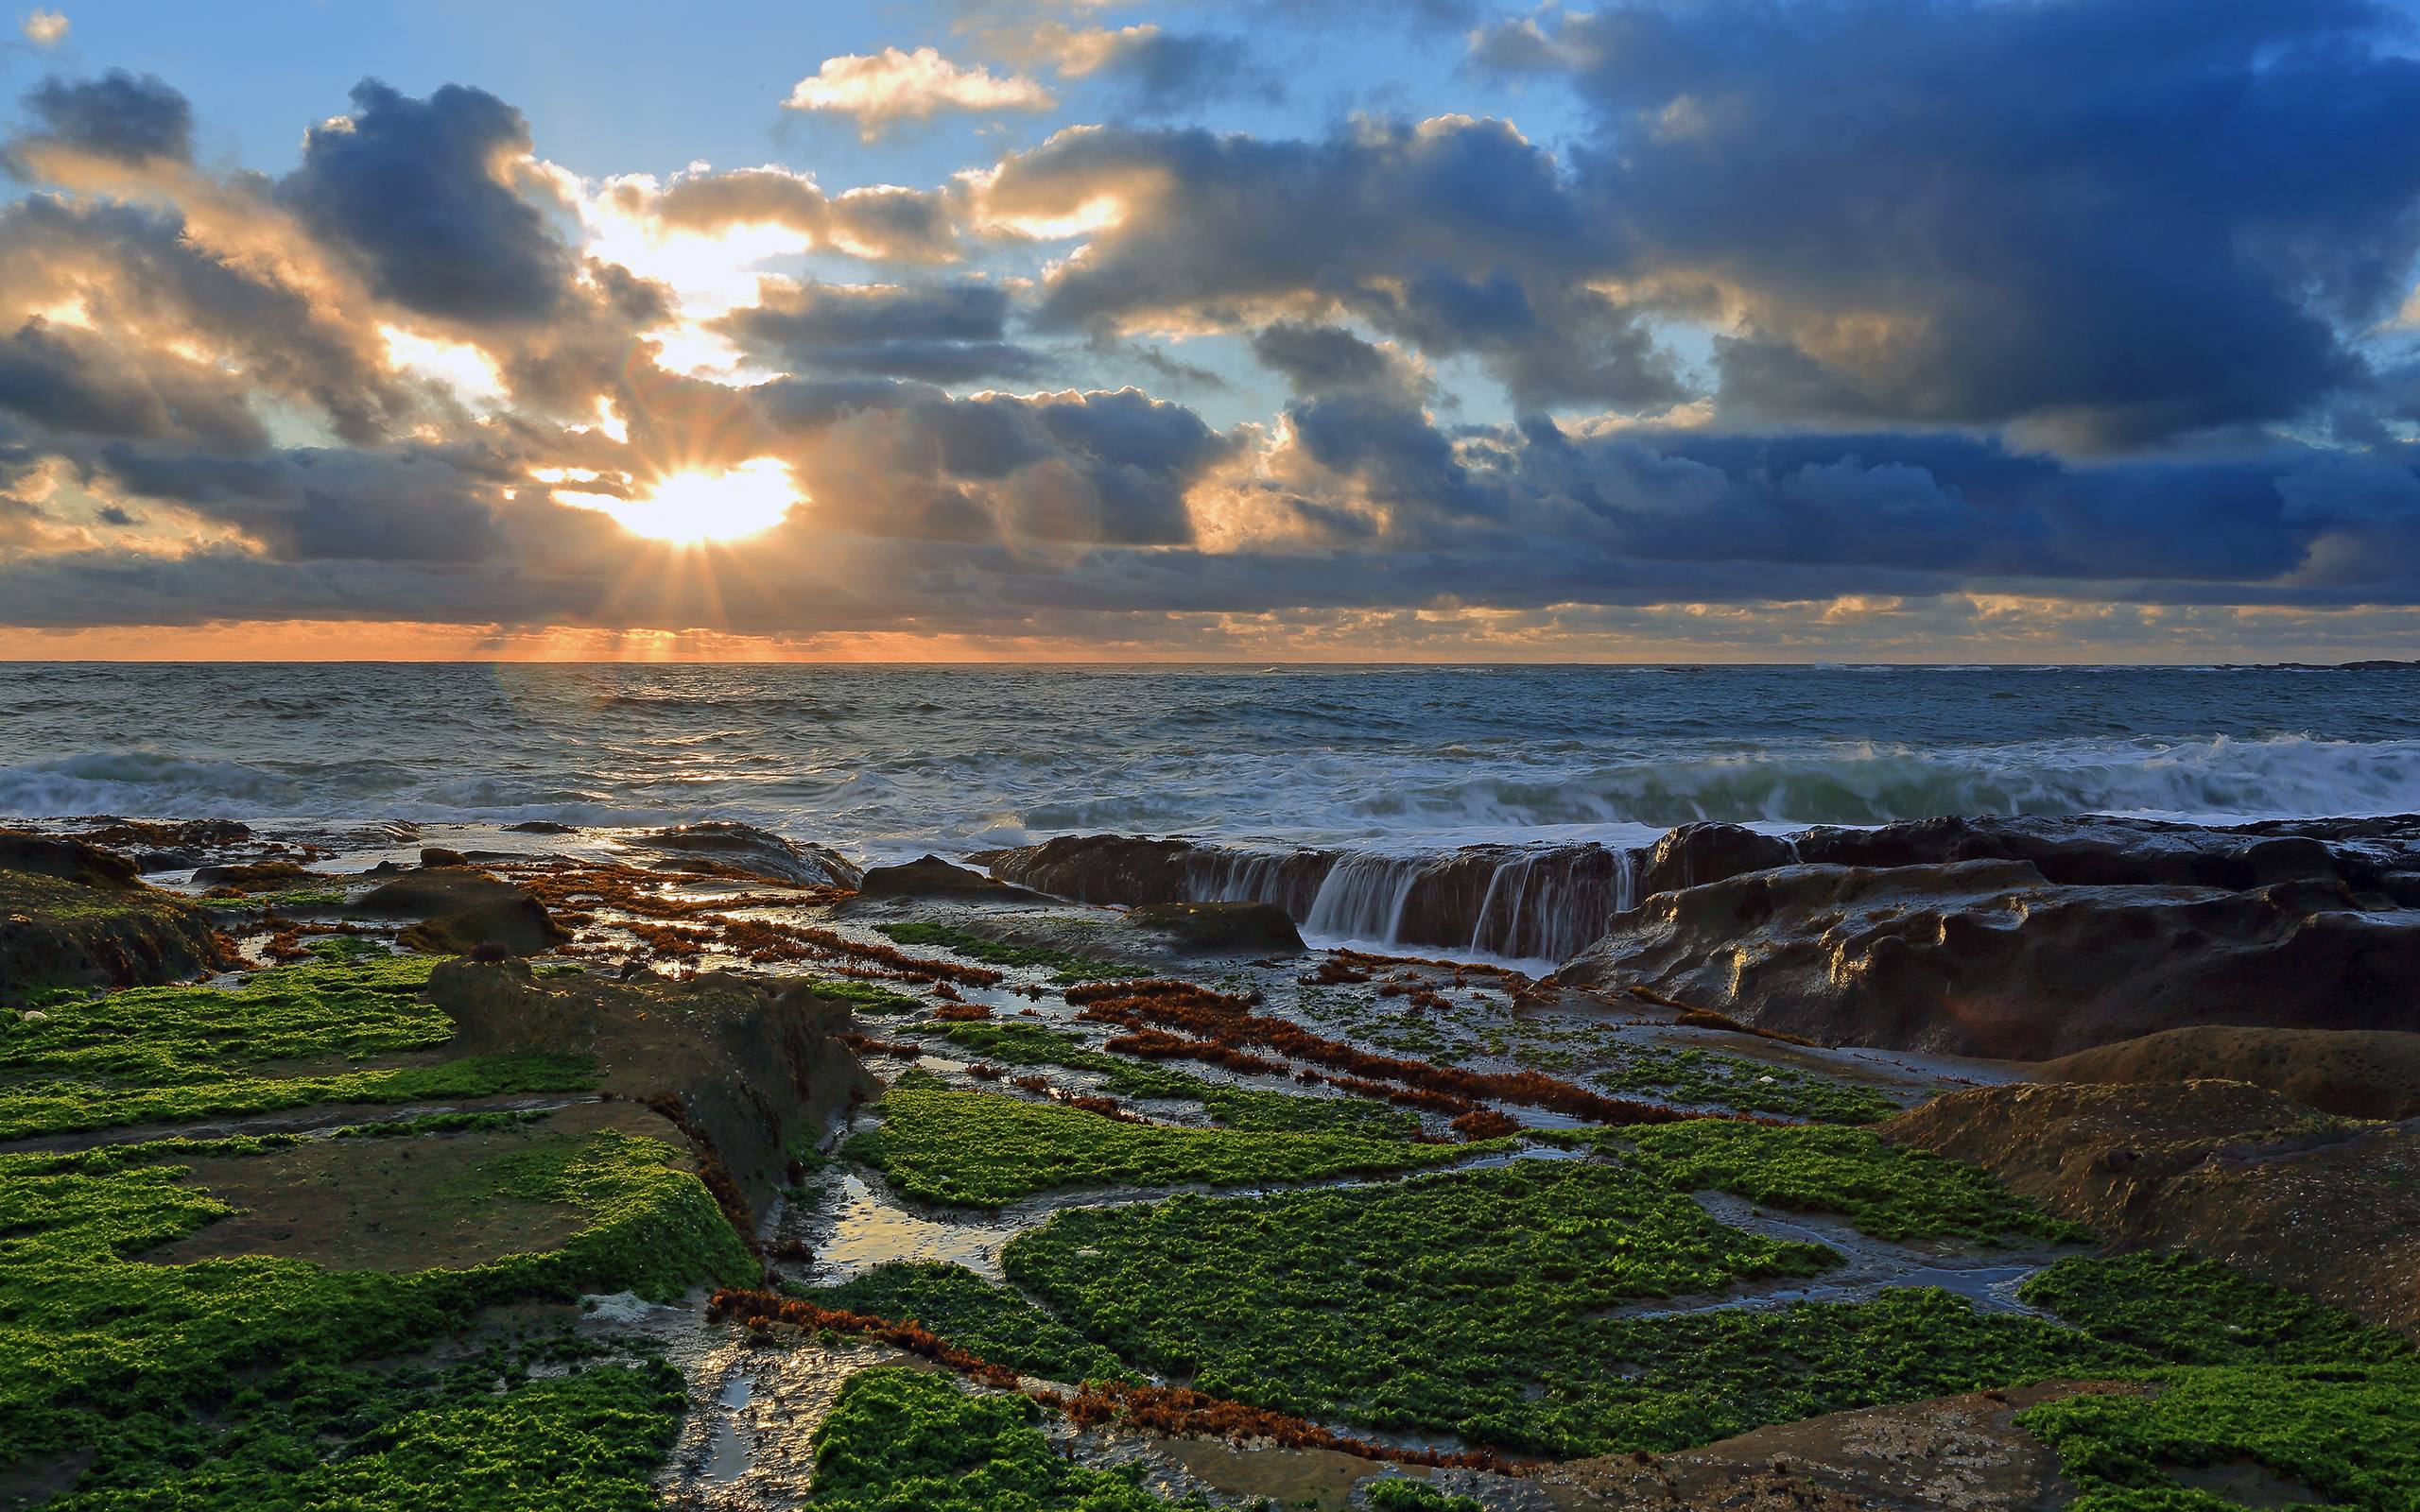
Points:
[941,333]
[422,192]
[886,88]
[116,116]
[1457,232]
[75,382]
[1163,72]
[2078,217]
[43,28]
[880,221]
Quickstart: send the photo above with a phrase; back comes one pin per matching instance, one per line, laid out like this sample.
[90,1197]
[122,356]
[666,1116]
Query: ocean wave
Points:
[2216,780]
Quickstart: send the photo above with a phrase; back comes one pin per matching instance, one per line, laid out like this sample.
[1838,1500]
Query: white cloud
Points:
[44,28]
[891,86]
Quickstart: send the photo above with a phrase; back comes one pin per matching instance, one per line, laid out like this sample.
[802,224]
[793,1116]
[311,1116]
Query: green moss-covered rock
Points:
[60,931]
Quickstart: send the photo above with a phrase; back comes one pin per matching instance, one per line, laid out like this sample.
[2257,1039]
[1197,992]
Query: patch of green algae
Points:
[101,1352]
[906,1440]
[984,1149]
[158,1054]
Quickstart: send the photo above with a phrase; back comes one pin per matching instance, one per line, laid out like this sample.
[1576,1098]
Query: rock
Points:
[460,908]
[1247,929]
[932,877]
[540,827]
[1988,958]
[2091,850]
[2357,1073]
[1520,901]
[258,876]
[2228,1171]
[50,855]
[1100,869]
[1961,1454]
[1696,854]
[721,847]
[752,1066]
[56,932]
[438,855]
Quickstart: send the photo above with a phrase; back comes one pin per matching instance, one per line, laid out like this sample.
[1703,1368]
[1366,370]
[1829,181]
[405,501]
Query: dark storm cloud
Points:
[943,333]
[416,190]
[1458,235]
[408,505]
[2114,222]
[117,115]
[78,383]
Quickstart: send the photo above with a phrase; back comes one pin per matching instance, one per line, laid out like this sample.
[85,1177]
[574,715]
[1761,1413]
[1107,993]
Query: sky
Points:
[1429,330]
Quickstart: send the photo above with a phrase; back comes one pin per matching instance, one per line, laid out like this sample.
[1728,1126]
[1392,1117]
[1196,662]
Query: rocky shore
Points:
[2057,1159]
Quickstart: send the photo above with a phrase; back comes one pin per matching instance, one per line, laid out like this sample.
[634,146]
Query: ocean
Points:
[886,761]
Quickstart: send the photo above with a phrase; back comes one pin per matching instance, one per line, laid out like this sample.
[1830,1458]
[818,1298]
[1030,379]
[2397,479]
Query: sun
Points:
[698,508]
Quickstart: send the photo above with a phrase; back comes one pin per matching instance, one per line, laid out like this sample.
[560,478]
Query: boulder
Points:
[2357,1073]
[2093,849]
[461,908]
[258,876]
[1098,869]
[1248,929]
[932,877]
[1989,958]
[1696,854]
[750,1066]
[56,931]
[723,848]
[51,855]
[2226,1170]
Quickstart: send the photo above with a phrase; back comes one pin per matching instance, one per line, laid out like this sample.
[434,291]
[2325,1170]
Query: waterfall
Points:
[1544,903]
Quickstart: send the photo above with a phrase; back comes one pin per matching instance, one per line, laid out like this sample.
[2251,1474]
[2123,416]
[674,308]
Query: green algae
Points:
[482,1436]
[906,1440]
[983,1149]
[1398,1493]
[1484,1304]
[973,1315]
[96,1346]
[867,997]
[161,1054]
[1885,1191]
[2202,1312]
[2348,1435]
[1068,966]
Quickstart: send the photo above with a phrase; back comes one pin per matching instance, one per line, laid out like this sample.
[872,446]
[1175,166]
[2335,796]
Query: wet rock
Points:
[50,855]
[932,877]
[2226,1170]
[1989,958]
[752,1066]
[258,876]
[438,855]
[460,908]
[1246,929]
[723,848]
[1532,902]
[74,915]
[2092,850]
[1098,869]
[1696,854]
[2357,1073]
[540,827]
